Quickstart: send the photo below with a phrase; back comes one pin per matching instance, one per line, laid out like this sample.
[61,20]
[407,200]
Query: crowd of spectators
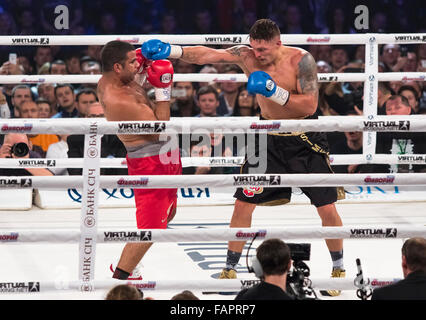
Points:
[202,99]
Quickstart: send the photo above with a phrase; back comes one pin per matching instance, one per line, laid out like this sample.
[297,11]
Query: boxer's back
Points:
[126,103]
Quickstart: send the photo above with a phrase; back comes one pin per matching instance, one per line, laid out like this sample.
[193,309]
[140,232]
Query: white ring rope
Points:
[210,124]
[212,39]
[219,180]
[216,234]
[225,285]
[335,159]
[212,77]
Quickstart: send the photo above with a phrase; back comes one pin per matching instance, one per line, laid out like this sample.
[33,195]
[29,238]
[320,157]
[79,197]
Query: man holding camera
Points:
[17,146]
[271,265]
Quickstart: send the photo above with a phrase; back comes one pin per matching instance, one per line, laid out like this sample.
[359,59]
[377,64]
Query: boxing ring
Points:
[39,248]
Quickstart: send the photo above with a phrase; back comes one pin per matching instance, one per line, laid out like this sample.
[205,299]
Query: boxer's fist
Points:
[160,73]
[155,49]
[259,82]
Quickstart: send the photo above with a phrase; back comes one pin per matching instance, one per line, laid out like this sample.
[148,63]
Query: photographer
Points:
[271,266]
[17,146]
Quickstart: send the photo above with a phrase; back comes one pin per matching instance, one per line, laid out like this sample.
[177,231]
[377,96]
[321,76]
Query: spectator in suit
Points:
[413,286]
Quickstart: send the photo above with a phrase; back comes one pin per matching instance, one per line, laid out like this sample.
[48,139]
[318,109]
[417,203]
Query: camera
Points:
[20,149]
[298,283]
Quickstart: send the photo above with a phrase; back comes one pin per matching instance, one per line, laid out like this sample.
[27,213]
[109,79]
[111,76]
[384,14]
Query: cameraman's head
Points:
[414,255]
[274,257]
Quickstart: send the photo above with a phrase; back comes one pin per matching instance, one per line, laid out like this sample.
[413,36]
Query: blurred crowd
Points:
[202,99]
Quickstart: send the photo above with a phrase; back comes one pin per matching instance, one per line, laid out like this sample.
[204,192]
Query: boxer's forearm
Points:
[205,55]
[162,110]
[302,105]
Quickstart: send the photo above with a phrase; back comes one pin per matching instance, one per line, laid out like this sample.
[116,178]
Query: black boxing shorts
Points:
[290,153]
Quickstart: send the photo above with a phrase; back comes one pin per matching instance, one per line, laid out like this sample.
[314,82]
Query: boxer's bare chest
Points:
[283,72]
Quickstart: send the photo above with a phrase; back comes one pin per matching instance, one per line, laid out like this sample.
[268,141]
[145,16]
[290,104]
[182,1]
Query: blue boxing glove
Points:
[157,50]
[259,82]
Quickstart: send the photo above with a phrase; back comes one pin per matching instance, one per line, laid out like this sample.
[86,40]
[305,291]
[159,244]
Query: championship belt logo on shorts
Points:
[251,191]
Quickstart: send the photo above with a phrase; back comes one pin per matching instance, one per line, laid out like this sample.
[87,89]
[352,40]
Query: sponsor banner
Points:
[9,237]
[419,78]
[127,236]
[30,41]
[16,182]
[225,161]
[134,40]
[150,285]
[156,127]
[323,39]
[36,163]
[249,235]
[389,179]
[89,204]
[124,182]
[19,287]
[411,159]
[328,78]
[376,283]
[270,126]
[404,38]
[225,39]
[272,180]
[402,125]
[374,233]
[6,128]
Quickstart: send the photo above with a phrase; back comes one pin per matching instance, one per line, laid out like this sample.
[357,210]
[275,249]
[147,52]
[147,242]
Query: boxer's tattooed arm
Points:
[238,50]
[307,75]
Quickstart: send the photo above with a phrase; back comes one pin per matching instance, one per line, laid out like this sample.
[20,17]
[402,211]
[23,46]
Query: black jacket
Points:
[263,291]
[111,146]
[413,287]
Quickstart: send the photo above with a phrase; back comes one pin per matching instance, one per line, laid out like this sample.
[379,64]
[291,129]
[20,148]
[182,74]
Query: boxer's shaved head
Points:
[114,52]
[264,29]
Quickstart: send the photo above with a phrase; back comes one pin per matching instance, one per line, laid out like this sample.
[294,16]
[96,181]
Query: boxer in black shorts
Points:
[285,82]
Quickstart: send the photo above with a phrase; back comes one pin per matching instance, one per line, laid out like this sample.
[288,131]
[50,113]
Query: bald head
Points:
[12,138]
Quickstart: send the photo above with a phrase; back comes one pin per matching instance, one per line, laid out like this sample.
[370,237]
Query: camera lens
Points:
[20,149]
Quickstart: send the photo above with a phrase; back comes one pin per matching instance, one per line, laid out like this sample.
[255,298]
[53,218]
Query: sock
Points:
[120,274]
[232,259]
[337,258]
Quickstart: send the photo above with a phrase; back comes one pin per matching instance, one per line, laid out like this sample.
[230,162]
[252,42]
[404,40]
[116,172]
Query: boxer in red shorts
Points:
[123,98]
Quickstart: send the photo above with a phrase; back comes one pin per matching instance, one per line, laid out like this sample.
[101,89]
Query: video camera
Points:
[298,283]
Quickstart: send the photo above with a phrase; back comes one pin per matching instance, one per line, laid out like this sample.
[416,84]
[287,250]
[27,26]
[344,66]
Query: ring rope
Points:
[212,39]
[210,124]
[213,77]
[217,180]
[225,234]
[335,159]
[233,285]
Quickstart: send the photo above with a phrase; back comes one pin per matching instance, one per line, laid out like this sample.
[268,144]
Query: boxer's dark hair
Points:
[264,29]
[114,52]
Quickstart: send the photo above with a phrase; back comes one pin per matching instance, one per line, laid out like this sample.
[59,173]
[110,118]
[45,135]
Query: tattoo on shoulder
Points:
[307,75]
[238,50]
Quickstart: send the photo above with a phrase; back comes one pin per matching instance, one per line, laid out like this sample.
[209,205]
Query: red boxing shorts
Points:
[153,206]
